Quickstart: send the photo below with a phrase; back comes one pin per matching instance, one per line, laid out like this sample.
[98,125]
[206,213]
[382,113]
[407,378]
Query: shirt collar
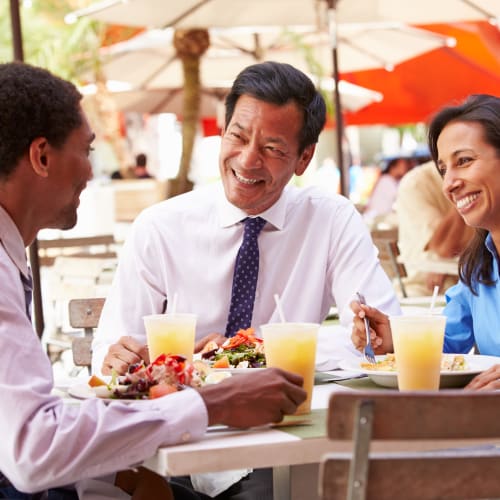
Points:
[275,215]
[490,246]
[11,240]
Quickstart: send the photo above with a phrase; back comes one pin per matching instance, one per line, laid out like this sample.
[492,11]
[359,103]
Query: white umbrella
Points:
[210,13]
[149,60]
[224,13]
[170,100]
[154,84]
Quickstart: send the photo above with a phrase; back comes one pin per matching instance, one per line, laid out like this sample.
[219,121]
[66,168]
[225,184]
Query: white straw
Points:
[434,296]
[278,306]
[174,304]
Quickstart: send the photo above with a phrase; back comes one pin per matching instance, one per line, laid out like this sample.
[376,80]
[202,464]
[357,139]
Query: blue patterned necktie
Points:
[245,275]
[28,291]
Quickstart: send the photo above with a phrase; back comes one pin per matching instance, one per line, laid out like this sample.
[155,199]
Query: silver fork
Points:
[368,350]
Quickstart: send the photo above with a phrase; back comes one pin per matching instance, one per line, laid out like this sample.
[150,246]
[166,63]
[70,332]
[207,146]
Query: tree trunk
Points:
[190,46]
[105,119]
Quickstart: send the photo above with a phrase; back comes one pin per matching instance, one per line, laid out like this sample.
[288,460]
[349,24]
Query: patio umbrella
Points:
[156,85]
[155,64]
[418,88]
[193,14]
[363,46]
[170,100]
[159,100]
[223,13]
[228,13]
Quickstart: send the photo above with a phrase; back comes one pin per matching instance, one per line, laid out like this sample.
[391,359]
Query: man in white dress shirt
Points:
[45,141]
[315,250]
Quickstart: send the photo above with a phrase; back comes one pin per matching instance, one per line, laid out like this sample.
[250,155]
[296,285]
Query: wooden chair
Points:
[386,241]
[140,483]
[377,417]
[85,314]
[101,246]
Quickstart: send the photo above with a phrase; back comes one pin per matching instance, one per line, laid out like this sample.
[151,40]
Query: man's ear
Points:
[305,159]
[38,153]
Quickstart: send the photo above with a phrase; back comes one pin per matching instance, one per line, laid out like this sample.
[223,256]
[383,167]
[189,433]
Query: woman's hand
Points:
[380,328]
[488,380]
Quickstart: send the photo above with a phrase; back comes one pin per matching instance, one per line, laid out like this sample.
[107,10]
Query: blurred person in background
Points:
[138,171]
[429,229]
[380,206]
[141,167]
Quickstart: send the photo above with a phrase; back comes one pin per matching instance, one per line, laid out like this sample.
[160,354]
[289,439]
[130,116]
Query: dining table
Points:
[293,448]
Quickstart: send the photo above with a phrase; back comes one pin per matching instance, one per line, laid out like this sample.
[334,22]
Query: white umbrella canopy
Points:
[149,60]
[160,100]
[224,13]
[320,14]
[148,65]
[170,100]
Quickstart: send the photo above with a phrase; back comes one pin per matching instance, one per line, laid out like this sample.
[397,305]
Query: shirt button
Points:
[186,436]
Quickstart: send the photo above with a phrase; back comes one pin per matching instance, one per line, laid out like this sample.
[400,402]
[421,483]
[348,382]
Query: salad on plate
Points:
[243,350]
[166,374]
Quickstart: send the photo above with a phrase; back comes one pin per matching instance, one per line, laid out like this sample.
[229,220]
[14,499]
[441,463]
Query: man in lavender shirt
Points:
[45,141]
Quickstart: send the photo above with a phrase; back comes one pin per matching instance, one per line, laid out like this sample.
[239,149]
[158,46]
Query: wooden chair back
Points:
[366,418]
[84,314]
[101,246]
[386,241]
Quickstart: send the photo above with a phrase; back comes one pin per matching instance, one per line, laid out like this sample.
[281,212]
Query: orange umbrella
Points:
[417,88]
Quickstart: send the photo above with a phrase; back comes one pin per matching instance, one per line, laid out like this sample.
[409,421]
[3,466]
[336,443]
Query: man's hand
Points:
[380,328]
[489,380]
[123,354]
[214,337]
[253,399]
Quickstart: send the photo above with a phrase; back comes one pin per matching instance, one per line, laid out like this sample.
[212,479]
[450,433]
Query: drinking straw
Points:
[174,304]
[278,306]
[433,299]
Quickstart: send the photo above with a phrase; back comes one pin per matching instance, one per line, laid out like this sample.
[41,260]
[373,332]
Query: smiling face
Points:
[471,174]
[259,153]
[69,170]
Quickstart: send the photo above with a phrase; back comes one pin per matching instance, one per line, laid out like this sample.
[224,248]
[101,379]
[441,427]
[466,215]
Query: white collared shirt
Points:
[47,443]
[315,252]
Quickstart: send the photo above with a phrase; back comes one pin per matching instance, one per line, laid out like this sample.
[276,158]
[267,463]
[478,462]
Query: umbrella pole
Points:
[17,43]
[339,126]
[17,39]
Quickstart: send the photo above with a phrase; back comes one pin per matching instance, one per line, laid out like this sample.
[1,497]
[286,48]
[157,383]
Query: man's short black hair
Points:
[280,83]
[33,103]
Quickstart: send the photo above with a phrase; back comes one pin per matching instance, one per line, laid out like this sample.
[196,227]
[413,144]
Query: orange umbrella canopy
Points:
[417,88]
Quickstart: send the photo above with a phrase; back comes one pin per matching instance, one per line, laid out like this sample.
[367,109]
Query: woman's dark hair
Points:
[475,263]
[280,83]
[33,103]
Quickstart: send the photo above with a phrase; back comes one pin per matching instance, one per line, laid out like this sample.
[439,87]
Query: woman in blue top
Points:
[464,142]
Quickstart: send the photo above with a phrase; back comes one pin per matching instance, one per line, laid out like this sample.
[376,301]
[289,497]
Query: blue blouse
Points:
[474,318]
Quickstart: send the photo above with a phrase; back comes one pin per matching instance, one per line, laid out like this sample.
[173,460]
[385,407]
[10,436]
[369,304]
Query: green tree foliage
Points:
[65,49]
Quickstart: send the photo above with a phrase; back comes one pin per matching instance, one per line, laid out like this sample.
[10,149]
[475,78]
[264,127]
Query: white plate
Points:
[476,364]
[84,391]
[237,371]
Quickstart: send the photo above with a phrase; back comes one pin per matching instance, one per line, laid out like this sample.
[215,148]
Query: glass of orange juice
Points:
[171,333]
[292,347]
[418,348]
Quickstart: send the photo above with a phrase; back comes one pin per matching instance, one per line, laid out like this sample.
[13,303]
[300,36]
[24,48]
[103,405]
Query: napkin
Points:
[214,483]
[334,345]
